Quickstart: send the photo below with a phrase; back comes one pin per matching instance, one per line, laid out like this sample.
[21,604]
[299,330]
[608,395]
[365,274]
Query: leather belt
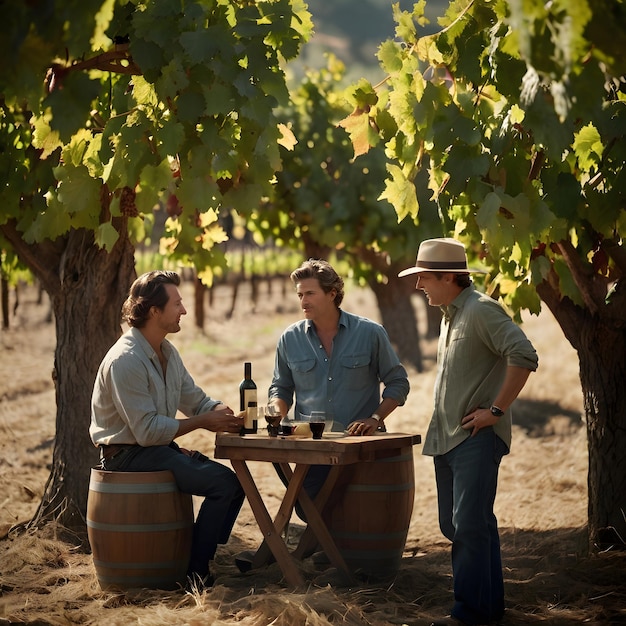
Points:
[107,452]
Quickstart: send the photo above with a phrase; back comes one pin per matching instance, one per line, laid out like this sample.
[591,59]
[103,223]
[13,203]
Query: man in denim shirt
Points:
[140,386]
[483,362]
[334,361]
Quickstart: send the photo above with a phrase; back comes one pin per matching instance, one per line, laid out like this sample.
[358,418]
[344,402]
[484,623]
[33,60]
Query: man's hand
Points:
[477,419]
[367,426]
[220,419]
[223,420]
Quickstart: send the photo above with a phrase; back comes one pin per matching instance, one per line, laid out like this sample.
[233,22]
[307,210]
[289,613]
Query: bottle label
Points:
[249,395]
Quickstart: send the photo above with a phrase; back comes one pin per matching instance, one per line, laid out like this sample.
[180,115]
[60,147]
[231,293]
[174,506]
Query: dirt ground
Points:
[542,500]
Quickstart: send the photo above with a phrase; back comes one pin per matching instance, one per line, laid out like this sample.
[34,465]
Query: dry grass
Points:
[46,578]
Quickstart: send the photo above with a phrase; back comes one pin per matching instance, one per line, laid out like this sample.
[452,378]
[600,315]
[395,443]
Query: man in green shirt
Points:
[483,362]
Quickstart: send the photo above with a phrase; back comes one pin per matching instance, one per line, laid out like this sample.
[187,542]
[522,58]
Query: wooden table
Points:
[302,453]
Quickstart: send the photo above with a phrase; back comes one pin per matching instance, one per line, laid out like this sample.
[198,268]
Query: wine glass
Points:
[272,417]
[317,422]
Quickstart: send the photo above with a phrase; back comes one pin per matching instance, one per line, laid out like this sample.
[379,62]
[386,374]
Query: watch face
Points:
[496,411]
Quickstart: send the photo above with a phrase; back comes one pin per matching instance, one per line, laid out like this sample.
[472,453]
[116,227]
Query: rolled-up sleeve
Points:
[282,386]
[392,373]
[504,337]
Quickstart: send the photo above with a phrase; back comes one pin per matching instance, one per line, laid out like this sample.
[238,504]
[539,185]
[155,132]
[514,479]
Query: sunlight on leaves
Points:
[588,147]
[44,138]
[100,40]
[357,125]
[400,193]
[287,139]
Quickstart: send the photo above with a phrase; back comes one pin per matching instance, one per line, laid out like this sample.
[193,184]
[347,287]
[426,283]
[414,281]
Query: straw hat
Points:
[440,255]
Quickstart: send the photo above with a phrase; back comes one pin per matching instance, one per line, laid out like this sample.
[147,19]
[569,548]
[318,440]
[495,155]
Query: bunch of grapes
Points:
[127,202]
[173,206]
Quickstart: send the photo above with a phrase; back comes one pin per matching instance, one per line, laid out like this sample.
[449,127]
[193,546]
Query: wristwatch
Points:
[496,410]
[377,417]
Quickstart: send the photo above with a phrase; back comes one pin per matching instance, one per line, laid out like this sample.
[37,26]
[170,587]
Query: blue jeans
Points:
[467,478]
[200,476]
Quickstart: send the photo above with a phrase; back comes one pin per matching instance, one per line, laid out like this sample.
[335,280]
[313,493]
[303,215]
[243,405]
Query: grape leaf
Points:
[400,193]
[357,125]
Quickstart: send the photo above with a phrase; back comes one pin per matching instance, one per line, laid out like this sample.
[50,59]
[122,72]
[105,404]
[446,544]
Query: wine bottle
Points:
[247,395]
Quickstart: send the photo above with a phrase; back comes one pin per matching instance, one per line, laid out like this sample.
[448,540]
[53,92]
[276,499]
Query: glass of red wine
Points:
[272,417]
[317,422]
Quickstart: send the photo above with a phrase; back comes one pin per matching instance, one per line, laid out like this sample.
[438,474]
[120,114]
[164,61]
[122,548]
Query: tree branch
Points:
[42,258]
[583,278]
[117,60]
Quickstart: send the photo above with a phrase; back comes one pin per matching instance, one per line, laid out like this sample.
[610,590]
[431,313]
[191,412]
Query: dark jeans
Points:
[200,476]
[467,478]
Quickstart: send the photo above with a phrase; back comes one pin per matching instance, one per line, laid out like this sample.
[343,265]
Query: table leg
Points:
[316,523]
[308,541]
[263,554]
[270,534]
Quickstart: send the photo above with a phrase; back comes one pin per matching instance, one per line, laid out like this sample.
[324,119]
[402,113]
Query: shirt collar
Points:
[343,321]
[450,310]
[137,335]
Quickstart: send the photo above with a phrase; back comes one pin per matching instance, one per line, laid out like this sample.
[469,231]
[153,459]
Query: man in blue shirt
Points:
[336,362]
[140,386]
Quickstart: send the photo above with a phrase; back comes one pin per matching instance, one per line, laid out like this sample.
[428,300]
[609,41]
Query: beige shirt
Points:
[132,403]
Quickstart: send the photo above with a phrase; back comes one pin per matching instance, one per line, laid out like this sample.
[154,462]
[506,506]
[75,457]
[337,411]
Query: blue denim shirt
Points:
[346,385]
[132,403]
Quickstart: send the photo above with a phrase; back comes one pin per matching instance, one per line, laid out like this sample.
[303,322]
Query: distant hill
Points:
[353,30]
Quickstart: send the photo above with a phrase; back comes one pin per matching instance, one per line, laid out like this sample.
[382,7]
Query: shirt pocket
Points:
[303,373]
[458,334]
[356,371]
[458,346]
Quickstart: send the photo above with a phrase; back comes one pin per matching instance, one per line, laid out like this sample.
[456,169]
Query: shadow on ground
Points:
[539,418]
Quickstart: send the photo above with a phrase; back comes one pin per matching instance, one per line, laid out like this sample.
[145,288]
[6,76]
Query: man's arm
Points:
[514,382]
[396,386]
[392,373]
[282,406]
[219,419]
[369,425]
[282,386]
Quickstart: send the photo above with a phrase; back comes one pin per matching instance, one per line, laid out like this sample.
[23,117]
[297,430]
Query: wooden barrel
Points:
[140,529]
[369,520]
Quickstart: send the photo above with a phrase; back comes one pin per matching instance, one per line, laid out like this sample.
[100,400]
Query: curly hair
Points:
[324,272]
[147,291]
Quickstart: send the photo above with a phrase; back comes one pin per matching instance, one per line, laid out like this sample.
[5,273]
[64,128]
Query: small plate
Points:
[334,435]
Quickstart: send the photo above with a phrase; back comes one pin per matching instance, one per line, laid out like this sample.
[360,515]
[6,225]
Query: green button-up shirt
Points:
[477,342]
